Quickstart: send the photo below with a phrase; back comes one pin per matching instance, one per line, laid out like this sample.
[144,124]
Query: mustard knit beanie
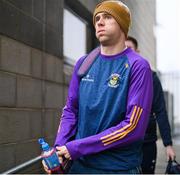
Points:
[118,10]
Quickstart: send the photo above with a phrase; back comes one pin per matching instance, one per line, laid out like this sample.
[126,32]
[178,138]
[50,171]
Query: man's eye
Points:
[108,17]
[97,19]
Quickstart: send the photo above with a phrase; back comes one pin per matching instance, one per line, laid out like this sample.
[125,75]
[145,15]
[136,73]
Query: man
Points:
[159,114]
[106,113]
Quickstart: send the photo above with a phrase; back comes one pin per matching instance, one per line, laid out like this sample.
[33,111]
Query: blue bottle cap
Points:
[44,145]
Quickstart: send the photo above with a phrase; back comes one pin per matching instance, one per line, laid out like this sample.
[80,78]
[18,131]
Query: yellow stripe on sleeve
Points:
[124,134]
[115,132]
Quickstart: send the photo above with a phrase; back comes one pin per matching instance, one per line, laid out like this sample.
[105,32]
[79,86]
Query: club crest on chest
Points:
[114,80]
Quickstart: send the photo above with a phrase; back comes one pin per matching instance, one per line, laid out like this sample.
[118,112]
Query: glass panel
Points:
[74,41]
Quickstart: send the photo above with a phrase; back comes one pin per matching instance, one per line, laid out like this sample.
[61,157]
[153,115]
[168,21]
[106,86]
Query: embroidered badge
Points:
[114,80]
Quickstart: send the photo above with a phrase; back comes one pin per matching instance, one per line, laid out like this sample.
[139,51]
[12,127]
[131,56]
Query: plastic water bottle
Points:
[49,156]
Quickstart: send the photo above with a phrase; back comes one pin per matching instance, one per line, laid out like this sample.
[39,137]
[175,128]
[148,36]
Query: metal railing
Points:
[22,166]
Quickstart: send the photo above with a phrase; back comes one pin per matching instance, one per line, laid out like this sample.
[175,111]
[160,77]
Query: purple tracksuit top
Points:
[136,96]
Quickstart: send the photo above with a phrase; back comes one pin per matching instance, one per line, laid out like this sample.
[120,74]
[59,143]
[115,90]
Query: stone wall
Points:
[32,86]
[31,94]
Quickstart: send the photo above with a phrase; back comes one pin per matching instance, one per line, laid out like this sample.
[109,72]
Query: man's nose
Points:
[100,22]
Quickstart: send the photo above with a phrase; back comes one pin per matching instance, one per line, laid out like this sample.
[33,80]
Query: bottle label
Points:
[51,160]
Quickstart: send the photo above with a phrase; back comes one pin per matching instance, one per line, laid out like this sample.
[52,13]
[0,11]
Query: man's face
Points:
[107,28]
[130,44]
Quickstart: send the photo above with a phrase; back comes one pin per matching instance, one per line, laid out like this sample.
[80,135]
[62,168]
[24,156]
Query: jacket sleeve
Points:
[68,121]
[159,107]
[131,129]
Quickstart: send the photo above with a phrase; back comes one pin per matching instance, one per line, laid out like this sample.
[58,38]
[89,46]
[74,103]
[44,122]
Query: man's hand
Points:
[46,168]
[63,152]
[170,153]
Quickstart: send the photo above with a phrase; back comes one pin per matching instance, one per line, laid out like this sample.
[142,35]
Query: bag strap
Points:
[176,162]
[88,61]
[168,166]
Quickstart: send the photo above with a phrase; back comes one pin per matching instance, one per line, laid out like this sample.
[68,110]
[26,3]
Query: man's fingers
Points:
[63,152]
[173,157]
[44,164]
[58,148]
[45,167]
[67,156]
[60,153]
[60,159]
